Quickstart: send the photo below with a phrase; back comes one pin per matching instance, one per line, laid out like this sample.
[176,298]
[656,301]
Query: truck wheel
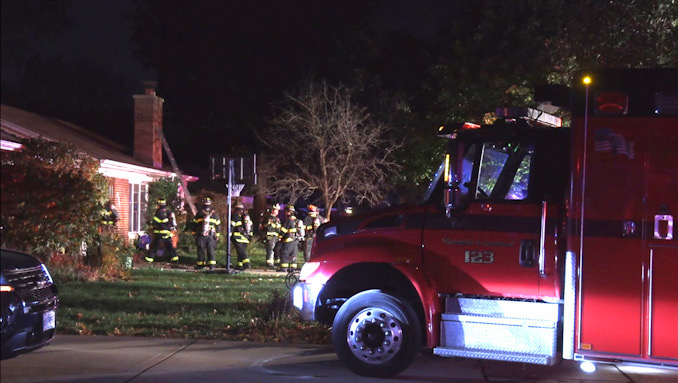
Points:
[376,334]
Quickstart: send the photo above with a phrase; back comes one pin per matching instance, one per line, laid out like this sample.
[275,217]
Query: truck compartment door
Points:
[629,264]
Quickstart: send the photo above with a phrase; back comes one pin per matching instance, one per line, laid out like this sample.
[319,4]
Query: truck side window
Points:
[504,171]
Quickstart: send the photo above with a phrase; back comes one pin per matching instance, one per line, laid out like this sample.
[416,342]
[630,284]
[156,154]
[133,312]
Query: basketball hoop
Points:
[236,189]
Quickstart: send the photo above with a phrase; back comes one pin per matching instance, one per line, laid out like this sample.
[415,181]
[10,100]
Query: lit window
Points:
[137,206]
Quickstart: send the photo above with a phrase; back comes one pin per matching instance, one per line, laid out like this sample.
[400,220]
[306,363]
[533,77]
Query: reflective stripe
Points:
[211,220]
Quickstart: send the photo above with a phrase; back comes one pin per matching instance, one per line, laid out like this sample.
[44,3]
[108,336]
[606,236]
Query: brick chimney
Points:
[147,122]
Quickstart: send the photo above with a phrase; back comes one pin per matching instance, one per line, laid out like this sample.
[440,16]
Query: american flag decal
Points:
[609,141]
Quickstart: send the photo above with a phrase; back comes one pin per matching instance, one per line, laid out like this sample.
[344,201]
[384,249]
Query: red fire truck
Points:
[534,243]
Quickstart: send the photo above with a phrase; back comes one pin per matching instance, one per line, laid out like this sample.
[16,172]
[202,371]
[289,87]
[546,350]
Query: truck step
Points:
[502,308]
[547,360]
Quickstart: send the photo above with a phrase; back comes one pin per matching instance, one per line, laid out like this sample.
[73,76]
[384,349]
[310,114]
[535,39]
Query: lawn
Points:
[176,303]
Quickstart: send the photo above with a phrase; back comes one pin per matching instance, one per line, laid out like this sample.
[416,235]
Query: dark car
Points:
[29,304]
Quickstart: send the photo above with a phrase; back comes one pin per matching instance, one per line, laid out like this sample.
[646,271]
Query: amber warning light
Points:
[450,130]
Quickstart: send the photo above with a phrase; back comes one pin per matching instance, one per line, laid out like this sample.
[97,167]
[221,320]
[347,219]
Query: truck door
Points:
[491,245]
[660,213]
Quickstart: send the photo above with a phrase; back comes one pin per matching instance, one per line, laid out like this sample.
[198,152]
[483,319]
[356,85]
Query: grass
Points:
[185,304]
[256,252]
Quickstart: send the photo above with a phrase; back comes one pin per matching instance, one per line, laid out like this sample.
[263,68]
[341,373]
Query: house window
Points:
[137,206]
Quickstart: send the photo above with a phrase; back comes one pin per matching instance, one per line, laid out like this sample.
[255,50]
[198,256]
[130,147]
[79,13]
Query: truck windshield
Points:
[495,170]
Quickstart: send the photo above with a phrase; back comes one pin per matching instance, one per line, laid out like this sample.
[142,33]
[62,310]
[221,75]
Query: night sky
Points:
[92,70]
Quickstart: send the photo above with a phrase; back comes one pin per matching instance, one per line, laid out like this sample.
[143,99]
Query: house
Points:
[128,173]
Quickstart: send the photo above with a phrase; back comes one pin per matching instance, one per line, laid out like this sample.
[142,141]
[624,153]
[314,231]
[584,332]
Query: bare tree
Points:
[321,143]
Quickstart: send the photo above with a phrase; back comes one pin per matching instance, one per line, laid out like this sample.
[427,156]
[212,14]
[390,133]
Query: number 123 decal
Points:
[478,256]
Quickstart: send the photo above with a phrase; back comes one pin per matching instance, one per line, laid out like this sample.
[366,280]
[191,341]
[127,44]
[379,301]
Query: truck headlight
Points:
[308,269]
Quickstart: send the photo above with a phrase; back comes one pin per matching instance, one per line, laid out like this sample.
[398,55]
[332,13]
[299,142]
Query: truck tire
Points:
[376,334]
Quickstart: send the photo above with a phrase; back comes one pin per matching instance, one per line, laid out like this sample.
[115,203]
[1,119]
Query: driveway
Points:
[72,358]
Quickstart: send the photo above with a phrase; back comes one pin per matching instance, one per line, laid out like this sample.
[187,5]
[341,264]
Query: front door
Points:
[492,245]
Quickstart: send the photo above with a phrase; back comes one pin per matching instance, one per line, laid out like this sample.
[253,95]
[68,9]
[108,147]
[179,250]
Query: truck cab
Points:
[530,244]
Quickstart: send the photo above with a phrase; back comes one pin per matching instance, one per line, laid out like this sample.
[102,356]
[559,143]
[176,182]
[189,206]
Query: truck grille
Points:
[32,284]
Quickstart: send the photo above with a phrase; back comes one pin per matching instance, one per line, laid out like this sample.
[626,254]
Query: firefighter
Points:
[290,233]
[163,223]
[109,218]
[241,232]
[311,223]
[207,230]
[270,225]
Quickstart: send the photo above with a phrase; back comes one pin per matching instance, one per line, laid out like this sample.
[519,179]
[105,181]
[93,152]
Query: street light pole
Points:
[587,81]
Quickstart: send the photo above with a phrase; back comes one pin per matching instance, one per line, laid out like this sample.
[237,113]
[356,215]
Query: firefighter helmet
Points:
[290,208]
[207,201]
[275,207]
[312,208]
[162,202]
[238,205]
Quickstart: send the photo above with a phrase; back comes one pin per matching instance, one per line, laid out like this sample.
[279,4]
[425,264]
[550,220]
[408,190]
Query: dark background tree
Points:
[326,147]
[496,52]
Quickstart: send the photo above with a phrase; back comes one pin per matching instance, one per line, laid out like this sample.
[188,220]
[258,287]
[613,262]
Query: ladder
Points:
[187,195]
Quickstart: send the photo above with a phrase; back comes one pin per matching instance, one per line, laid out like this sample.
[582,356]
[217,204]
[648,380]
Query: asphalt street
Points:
[80,359]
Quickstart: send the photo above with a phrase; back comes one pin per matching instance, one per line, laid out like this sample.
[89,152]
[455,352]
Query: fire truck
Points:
[534,242]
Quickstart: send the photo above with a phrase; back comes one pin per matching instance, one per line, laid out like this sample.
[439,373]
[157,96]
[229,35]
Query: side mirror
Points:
[452,201]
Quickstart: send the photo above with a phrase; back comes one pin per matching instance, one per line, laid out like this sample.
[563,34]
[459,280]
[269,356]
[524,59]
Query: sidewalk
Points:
[103,359]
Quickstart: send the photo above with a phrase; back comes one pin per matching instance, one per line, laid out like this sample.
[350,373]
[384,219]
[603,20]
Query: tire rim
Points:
[374,335]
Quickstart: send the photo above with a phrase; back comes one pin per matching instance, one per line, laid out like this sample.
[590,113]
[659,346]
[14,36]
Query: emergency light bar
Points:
[531,114]
[450,130]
